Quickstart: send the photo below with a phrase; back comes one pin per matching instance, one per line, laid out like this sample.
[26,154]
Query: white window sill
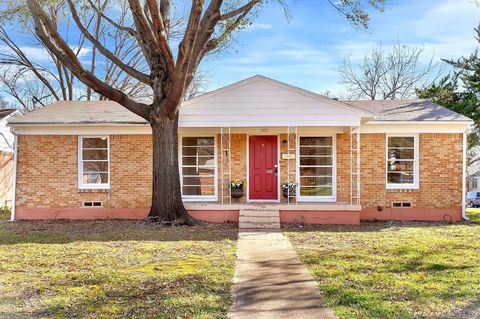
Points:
[199,199]
[400,186]
[85,188]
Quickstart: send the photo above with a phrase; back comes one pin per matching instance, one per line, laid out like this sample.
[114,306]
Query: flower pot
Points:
[285,194]
[237,193]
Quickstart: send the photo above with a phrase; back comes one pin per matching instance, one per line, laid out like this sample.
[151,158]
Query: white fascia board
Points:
[84,129]
[415,127]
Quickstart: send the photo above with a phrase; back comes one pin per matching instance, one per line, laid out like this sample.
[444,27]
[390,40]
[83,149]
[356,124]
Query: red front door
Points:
[263,167]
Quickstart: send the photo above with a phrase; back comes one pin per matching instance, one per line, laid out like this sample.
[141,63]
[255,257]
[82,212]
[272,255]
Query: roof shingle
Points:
[408,110]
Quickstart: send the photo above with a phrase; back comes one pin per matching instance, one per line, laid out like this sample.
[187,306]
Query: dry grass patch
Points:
[416,270]
[115,269]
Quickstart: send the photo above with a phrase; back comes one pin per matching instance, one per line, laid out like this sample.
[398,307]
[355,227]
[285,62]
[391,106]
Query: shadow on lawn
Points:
[64,231]
[114,296]
[372,226]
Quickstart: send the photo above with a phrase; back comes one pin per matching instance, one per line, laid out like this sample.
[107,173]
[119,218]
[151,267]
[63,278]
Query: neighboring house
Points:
[352,161]
[6,157]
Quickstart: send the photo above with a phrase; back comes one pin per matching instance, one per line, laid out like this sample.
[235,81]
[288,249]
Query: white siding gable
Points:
[6,137]
[259,101]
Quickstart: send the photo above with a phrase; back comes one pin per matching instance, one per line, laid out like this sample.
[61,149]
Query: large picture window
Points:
[198,167]
[94,165]
[402,161]
[316,167]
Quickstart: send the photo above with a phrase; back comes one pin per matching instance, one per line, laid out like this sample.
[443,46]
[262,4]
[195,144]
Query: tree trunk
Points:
[167,206]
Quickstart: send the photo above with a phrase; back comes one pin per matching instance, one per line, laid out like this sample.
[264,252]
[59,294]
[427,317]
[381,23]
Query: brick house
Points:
[347,161]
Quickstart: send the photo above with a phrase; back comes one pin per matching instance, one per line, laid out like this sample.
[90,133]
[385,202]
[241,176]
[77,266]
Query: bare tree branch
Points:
[131,71]
[47,33]
[391,75]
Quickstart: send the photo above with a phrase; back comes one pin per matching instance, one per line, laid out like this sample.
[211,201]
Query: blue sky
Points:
[307,50]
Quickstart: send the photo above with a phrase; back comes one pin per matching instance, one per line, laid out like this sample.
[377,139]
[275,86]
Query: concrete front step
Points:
[259,213]
[258,219]
[249,225]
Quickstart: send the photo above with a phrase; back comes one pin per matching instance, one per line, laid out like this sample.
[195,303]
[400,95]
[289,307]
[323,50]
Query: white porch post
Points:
[355,165]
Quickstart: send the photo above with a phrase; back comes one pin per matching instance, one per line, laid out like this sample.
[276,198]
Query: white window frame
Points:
[416,163]
[81,185]
[326,199]
[196,198]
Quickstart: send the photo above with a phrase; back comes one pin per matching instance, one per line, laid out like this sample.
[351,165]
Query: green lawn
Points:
[114,269]
[474,214]
[405,271]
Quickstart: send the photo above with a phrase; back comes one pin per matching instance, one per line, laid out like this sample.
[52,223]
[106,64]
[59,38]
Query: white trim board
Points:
[144,129]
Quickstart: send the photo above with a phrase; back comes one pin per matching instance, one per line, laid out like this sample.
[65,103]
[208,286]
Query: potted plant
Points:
[289,189]
[236,188]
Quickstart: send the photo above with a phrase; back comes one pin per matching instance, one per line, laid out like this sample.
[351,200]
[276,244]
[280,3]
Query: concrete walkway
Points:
[271,282]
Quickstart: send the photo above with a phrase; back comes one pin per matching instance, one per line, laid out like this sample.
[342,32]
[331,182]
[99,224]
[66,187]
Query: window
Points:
[316,164]
[92,204]
[93,164]
[401,204]
[198,161]
[402,162]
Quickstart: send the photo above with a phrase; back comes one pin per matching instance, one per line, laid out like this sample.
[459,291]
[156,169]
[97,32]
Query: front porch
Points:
[322,163]
[301,213]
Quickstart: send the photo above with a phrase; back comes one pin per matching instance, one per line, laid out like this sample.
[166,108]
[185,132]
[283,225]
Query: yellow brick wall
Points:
[440,172]
[47,172]
[238,163]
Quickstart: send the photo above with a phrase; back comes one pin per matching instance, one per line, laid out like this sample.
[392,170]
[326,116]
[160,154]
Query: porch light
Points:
[284,143]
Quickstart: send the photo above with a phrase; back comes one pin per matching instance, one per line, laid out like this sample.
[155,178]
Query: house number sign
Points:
[288,156]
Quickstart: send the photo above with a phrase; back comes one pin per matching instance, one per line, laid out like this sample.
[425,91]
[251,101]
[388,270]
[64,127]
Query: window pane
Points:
[316,191]
[312,161]
[95,178]
[198,190]
[315,171]
[401,141]
[401,153]
[315,150]
[89,167]
[95,154]
[315,181]
[400,178]
[198,141]
[198,181]
[400,166]
[198,171]
[324,141]
[197,160]
[95,142]
[198,151]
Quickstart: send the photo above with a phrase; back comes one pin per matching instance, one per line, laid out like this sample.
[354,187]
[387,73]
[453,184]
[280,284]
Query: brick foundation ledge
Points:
[221,216]
[412,214]
[23,213]
[320,217]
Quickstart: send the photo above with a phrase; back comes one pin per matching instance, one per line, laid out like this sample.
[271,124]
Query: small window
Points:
[198,167]
[92,204]
[94,166]
[402,162]
[401,204]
